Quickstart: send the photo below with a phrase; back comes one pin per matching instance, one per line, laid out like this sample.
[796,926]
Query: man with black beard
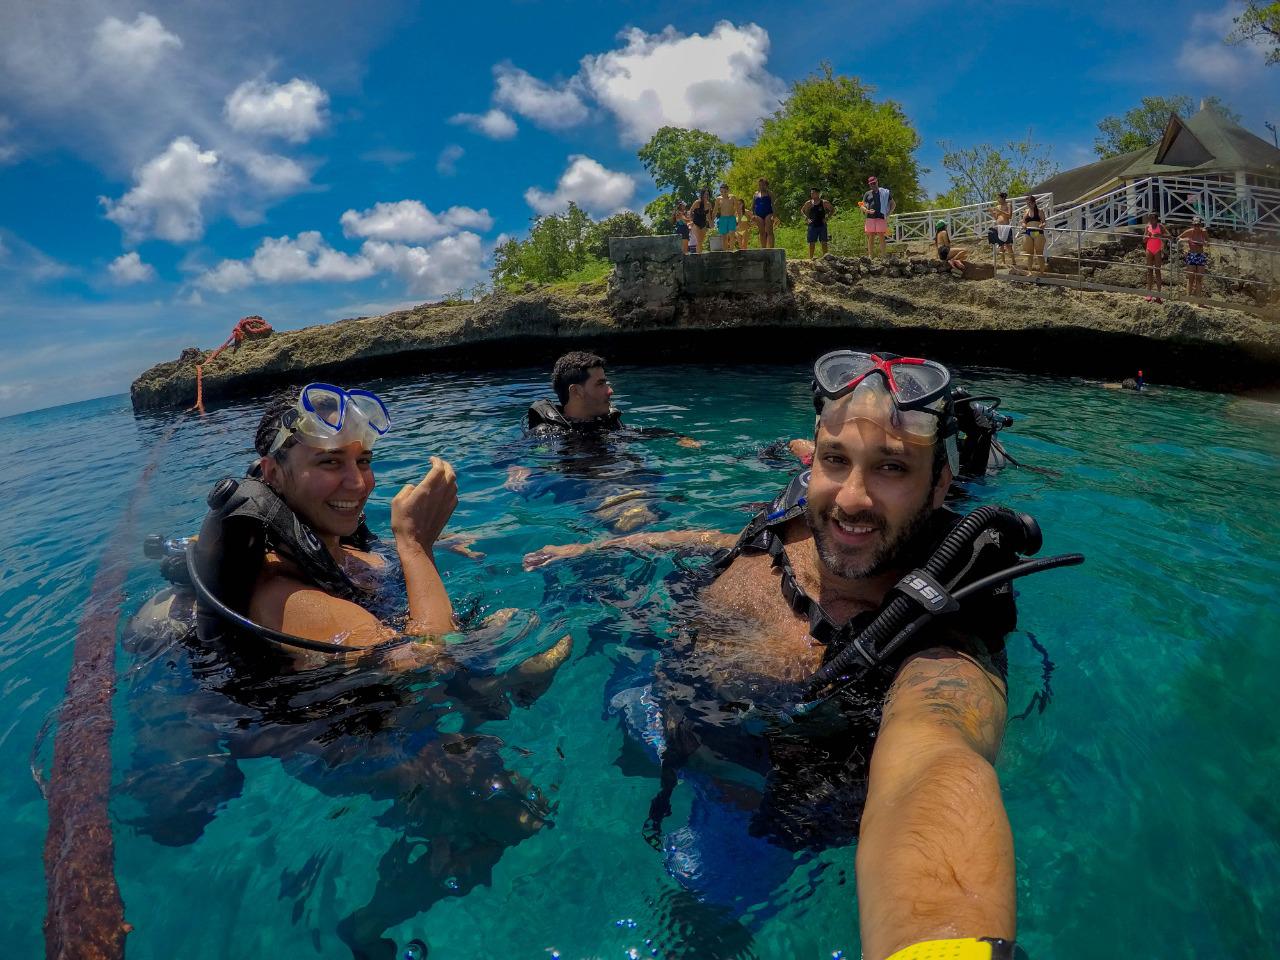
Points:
[935,852]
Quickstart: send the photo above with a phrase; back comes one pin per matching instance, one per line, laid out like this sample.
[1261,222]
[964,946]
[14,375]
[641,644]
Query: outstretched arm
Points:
[935,858]
[709,540]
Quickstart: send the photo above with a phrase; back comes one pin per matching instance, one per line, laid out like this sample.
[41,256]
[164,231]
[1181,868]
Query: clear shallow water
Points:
[1142,800]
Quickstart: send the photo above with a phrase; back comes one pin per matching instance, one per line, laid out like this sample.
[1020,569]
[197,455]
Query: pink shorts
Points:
[875,225]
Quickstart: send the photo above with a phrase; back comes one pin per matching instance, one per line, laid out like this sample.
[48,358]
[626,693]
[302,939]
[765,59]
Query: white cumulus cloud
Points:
[136,46]
[587,183]
[411,220]
[1206,56]
[493,124]
[281,260]
[295,110]
[168,191]
[433,271]
[716,82]
[276,174]
[428,271]
[544,104]
[226,276]
[129,268]
[447,162]
[288,260]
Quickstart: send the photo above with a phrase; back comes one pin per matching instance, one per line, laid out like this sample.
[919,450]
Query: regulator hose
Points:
[288,639]
[948,562]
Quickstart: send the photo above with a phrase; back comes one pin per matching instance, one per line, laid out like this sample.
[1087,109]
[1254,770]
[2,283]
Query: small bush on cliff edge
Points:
[567,246]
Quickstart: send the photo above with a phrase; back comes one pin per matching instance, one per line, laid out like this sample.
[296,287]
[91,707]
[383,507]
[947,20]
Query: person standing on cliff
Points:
[878,204]
[700,219]
[762,212]
[681,219]
[1000,236]
[727,217]
[1196,237]
[816,210]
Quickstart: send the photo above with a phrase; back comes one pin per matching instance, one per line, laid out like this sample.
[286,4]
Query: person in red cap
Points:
[877,203]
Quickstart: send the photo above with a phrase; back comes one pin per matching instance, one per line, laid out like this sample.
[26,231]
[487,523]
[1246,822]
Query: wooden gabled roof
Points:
[1206,143]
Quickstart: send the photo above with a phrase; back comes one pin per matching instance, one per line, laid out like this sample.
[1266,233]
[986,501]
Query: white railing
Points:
[1222,205]
[1078,245]
[967,222]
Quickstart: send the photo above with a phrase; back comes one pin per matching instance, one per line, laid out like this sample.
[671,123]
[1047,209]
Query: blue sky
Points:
[166,168]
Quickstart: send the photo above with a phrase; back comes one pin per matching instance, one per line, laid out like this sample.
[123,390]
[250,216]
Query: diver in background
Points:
[799,592]
[585,402]
[590,440]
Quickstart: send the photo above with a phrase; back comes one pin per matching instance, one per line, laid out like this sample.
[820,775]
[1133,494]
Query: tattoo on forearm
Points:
[947,688]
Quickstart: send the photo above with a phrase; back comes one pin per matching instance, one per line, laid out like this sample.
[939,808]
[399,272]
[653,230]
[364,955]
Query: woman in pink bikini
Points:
[1154,236]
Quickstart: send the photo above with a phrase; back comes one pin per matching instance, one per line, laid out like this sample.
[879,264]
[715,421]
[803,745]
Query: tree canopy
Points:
[829,133]
[1260,24]
[981,172]
[556,247]
[681,163]
[560,245]
[624,224]
[1144,124]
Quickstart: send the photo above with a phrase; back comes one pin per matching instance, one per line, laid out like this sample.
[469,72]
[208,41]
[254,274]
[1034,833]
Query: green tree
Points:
[829,133]
[979,173]
[1144,124]
[625,224]
[556,247]
[1260,24]
[681,163]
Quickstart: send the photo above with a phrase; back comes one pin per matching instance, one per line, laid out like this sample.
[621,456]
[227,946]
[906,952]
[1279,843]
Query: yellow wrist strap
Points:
[964,949]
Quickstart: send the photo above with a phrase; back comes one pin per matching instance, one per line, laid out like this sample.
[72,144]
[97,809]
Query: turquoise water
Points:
[1142,800]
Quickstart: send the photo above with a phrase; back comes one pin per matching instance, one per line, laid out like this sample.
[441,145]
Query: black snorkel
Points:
[936,588]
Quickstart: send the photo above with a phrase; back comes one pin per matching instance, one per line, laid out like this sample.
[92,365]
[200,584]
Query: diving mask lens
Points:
[911,380]
[918,380]
[372,408]
[871,401]
[327,406]
[326,416]
[836,370]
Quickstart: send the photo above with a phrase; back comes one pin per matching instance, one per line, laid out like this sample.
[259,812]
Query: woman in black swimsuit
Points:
[700,216]
[1033,230]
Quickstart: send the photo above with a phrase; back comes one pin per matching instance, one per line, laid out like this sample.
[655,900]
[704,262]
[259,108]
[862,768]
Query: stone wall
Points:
[650,272]
[743,271]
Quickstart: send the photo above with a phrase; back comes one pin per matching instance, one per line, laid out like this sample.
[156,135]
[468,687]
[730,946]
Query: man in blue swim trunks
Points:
[935,854]
[816,211]
[727,217]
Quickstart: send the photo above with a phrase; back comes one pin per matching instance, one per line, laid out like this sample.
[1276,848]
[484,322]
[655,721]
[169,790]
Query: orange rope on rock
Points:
[253,326]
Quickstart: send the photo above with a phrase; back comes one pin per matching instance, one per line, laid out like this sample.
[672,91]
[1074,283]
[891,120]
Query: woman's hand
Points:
[419,512]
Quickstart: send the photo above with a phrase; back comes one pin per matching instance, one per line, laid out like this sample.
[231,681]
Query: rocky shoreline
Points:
[905,305]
